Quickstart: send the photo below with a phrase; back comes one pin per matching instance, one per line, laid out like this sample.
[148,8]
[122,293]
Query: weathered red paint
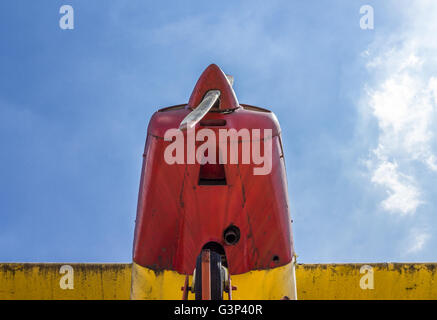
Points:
[206,275]
[214,78]
[176,216]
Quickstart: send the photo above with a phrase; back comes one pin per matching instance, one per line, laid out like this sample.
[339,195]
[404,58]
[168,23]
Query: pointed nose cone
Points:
[213,78]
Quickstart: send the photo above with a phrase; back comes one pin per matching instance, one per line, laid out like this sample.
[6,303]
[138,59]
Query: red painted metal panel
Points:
[176,216]
[213,78]
[206,275]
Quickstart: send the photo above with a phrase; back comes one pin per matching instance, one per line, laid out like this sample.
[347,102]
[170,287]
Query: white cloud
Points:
[402,98]
[403,196]
[417,240]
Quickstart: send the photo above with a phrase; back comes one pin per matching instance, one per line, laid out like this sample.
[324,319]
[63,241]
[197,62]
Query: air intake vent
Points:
[212,175]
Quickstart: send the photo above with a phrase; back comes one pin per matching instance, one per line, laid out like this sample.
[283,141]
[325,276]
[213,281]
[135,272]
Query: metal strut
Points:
[200,111]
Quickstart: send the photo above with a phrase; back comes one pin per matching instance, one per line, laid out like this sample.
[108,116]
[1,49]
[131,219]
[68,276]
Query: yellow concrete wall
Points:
[314,281]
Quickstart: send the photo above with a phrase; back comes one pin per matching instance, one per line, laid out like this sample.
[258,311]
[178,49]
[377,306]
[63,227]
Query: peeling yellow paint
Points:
[314,281]
[398,281]
[42,281]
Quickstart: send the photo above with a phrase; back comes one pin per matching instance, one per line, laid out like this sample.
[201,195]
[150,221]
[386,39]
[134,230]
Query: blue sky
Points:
[357,110]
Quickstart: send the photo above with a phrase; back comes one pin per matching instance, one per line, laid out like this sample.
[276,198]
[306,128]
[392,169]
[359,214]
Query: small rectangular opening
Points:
[212,182]
[212,175]
[213,123]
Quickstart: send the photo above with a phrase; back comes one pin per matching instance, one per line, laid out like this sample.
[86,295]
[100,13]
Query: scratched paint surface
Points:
[42,281]
[314,281]
[391,281]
